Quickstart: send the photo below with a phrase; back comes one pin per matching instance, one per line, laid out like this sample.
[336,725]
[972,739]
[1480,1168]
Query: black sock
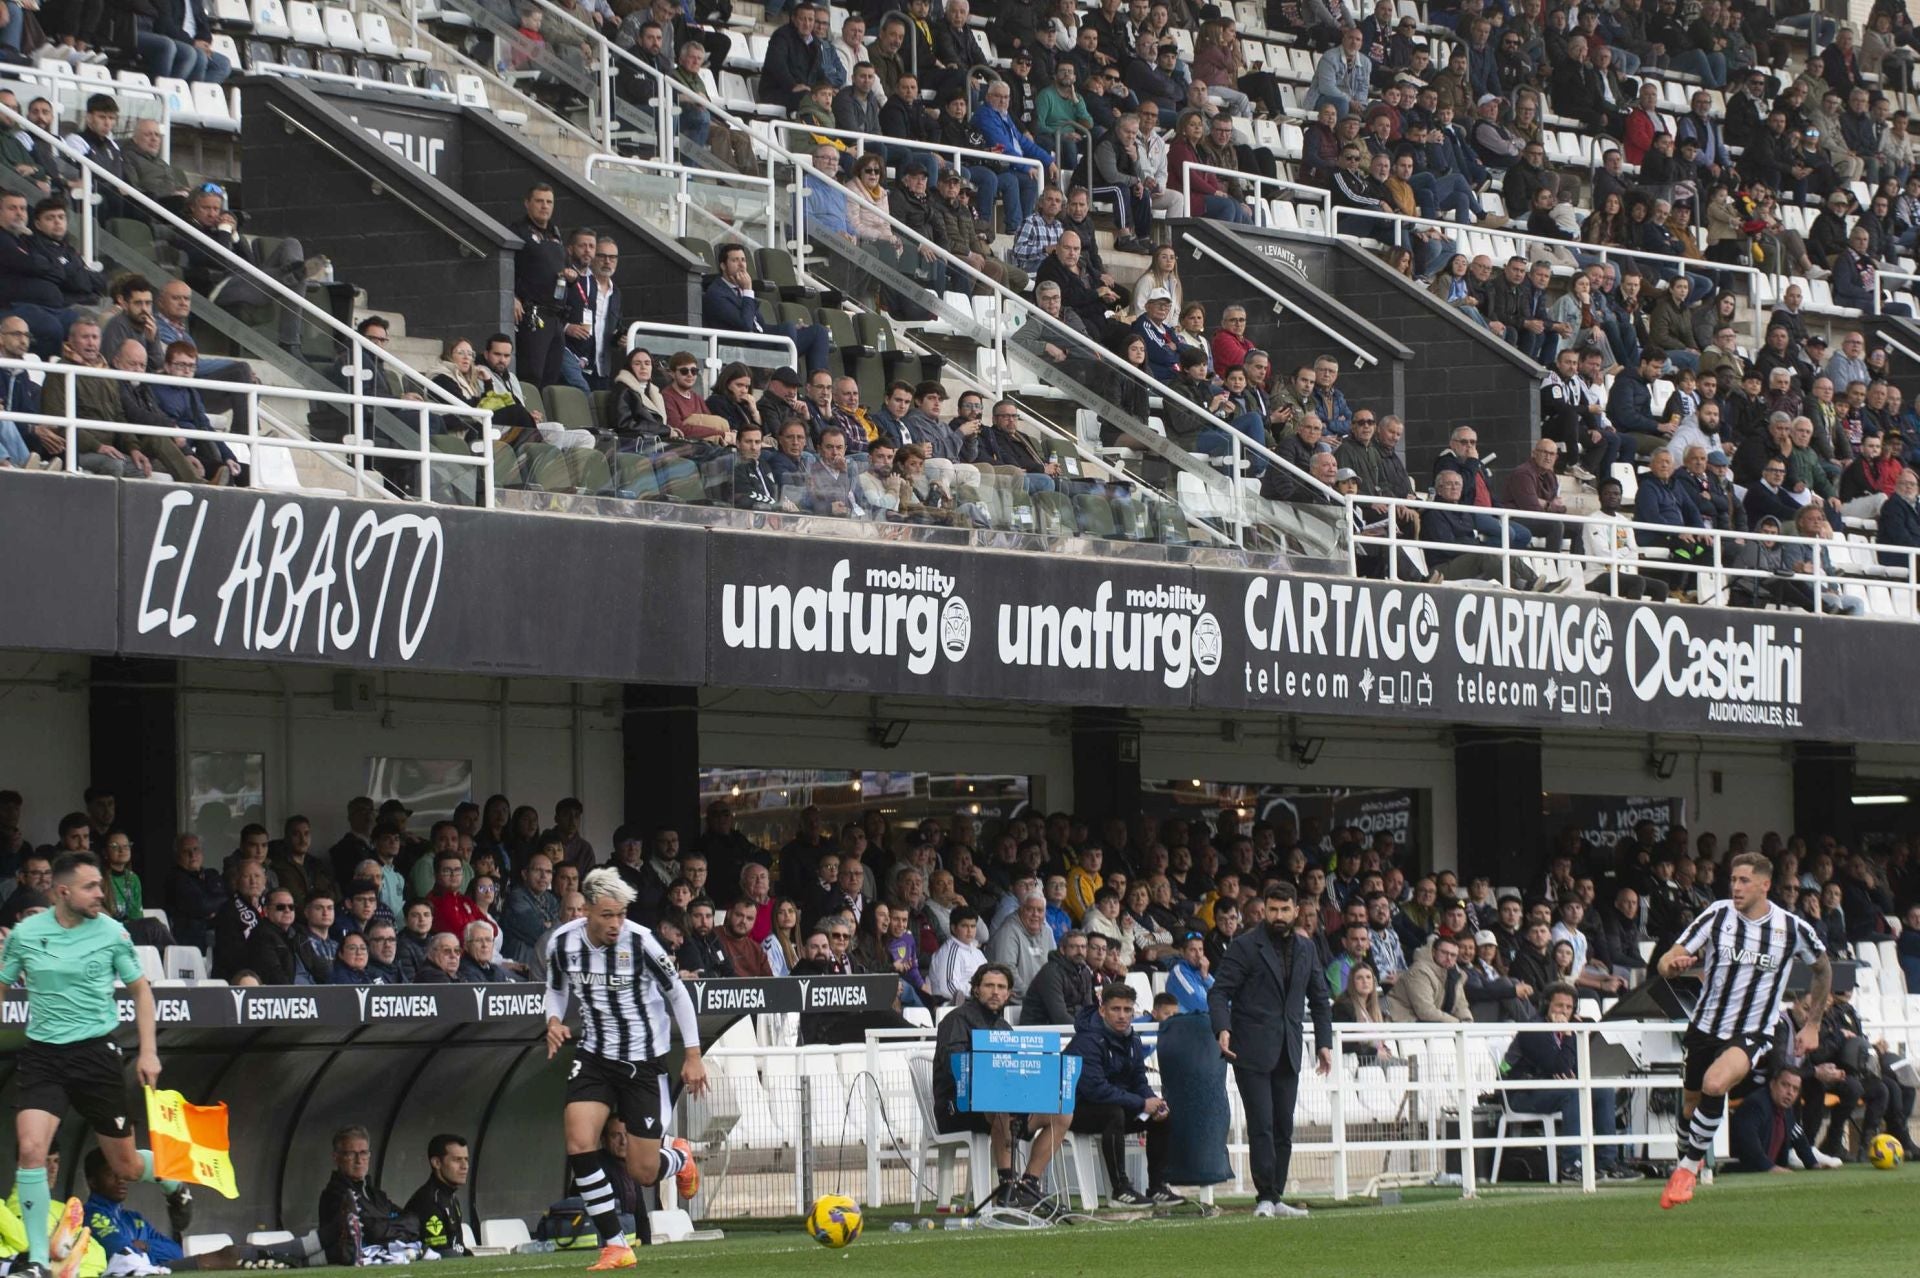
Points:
[596,1192]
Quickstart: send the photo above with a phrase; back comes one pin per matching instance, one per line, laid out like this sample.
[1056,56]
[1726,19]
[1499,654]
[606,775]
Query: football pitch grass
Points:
[1833,1222]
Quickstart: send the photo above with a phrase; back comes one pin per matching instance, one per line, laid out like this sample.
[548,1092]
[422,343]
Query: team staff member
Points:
[436,1204]
[985,1008]
[1269,979]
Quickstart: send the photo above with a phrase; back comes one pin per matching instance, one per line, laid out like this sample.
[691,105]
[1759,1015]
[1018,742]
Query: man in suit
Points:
[1267,982]
[594,333]
[730,304]
[1767,1126]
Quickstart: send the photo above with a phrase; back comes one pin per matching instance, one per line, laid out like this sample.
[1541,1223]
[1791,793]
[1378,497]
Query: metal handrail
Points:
[1697,266]
[1820,578]
[1322,197]
[1281,305]
[334,77]
[92,174]
[684,177]
[70,422]
[55,83]
[937,148]
[716,338]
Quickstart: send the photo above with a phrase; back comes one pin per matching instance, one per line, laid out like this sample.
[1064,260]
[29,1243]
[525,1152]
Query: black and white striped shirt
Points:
[1744,966]
[630,994]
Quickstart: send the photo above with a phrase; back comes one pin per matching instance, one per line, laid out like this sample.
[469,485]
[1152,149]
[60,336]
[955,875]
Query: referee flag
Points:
[190,1142]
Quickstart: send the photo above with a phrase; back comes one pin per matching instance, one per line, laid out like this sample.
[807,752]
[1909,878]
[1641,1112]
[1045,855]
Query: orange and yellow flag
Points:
[190,1142]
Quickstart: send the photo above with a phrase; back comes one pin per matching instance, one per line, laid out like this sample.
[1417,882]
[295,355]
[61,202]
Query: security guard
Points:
[540,279]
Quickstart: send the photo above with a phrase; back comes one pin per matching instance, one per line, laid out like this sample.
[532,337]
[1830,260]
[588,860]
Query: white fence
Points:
[784,1123]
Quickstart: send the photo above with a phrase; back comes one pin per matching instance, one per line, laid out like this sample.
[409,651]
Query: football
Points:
[1885,1152]
[834,1220]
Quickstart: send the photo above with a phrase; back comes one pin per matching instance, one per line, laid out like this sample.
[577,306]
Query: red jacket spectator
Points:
[452,911]
[1230,349]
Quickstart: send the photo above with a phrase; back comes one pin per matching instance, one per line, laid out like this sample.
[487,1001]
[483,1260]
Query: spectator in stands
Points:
[1767,1126]
[1023,943]
[477,963]
[439,962]
[193,893]
[33,276]
[149,172]
[352,963]
[1063,987]
[989,992]
[730,304]
[285,264]
[531,909]
[950,971]
[1549,1055]
[793,61]
[269,948]
[355,1214]
[176,41]
[314,946]
[1812,523]
[1016,187]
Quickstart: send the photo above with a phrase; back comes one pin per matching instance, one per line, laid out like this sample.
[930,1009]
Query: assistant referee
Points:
[71,956]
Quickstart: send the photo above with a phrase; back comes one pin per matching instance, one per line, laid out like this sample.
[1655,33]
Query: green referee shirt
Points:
[70,975]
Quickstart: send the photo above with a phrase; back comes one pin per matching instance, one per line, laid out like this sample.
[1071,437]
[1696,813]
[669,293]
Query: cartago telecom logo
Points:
[909,609]
[1166,629]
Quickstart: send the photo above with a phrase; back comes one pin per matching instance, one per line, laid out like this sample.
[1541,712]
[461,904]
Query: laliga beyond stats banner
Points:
[266,576]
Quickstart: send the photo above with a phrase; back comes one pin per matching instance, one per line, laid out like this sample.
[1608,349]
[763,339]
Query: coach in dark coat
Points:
[1267,982]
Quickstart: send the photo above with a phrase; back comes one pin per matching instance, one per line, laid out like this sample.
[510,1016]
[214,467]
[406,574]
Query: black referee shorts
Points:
[636,1091]
[1703,1049]
[88,1076]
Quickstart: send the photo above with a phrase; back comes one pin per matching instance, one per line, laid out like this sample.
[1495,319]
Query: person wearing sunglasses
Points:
[270,946]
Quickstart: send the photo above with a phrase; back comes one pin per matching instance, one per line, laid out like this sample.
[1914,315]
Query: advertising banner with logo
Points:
[353,1006]
[795,613]
[1324,645]
[271,576]
[1604,819]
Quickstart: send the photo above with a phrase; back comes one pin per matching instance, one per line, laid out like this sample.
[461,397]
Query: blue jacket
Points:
[1899,526]
[1849,284]
[1163,356]
[1630,405]
[724,306]
[1658,503]
[1451,524]
[1750,1130]
[1113,1068]
[1190,985]
[826,207]
[117,1227]
[998,128]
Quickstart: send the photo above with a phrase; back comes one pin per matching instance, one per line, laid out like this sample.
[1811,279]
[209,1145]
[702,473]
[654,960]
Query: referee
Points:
[71,957]
[631,997]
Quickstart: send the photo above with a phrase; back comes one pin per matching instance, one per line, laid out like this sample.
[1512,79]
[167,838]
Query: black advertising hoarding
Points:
[354,1006]
[905,619]
[269,576]
[59,535]
[1327,645]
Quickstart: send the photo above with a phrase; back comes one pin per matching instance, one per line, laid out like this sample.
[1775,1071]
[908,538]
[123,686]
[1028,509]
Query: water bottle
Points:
[900,1227]
[960,1222]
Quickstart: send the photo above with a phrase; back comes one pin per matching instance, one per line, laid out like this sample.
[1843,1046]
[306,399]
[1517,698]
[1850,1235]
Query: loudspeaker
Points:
[1658,1000]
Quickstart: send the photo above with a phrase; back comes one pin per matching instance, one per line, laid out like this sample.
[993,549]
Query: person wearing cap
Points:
[1491,994]
[961,235]
[911,205]
[1498,146]
[1154,328]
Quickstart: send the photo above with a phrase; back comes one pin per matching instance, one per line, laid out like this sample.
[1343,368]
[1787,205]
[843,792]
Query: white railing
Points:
[1322,198]
[682,178]
[1395,1118]
[1576,248]
[66,417]
[714,339]
[367,356]
[1882,295]
[1281,306]
[56,87]
[1708,573]
[883,144]
[352,81]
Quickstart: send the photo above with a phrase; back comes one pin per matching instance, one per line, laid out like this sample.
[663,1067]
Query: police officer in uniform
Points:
[540,279]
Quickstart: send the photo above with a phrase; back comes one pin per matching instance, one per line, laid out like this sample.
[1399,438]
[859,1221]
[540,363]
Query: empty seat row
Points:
[316,26]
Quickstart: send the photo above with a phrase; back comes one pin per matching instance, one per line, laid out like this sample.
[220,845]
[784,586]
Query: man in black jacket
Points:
[1554,1055]
[985,1008]
[792,62]
[755,486]
[269,949]
[30,280]
[1063,987]
[1114,1097]
[354,1213]
[286,263]
[436,1204]
[1268,983]
[540,280]
[1767,1125]
[193,893]
[1004,445]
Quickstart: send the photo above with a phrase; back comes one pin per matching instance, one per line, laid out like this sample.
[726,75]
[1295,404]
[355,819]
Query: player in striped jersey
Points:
[1745,948]
[630,999]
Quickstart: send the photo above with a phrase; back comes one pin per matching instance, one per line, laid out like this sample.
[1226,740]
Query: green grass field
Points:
[1853,1219]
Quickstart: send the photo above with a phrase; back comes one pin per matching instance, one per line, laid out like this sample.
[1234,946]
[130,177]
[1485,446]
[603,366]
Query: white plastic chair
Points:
[201,1244]
[945,1146]
[340,28]
[270,20]
[305,25]
[507,1232]
[1549,1128]
[376,37]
